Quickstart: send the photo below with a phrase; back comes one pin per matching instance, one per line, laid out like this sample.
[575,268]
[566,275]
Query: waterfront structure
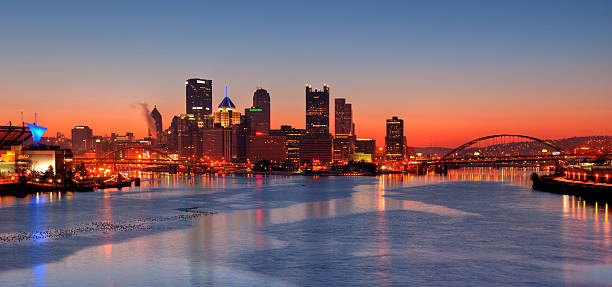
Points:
[184,137]
[358,156]
[316,149]
[226,114]
[395,140]
[13,135]
[36,131]
[342,148]
[157,124]
[344,141]
[365,146]
[316,146]
[265,147]
[82,139]
[259,114]
[219,145]
[198,94]
[36,158]
[317,110]
[242,139]
[293,137]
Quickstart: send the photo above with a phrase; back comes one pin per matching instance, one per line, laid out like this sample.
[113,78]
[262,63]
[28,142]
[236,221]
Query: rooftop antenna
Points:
[21,117]
[34,118]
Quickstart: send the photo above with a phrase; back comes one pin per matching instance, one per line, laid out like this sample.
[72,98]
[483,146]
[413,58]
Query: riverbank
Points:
[560,185]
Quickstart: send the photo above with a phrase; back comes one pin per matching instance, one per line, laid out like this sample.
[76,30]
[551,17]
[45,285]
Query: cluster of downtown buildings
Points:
[224,134]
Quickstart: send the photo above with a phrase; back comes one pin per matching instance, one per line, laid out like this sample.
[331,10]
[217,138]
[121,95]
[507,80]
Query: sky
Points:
[453,70]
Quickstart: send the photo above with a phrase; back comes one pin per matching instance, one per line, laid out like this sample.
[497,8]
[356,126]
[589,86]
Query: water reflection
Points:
[212,249]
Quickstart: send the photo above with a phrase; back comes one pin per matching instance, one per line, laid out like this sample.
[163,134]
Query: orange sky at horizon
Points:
[432,119]
[454,71]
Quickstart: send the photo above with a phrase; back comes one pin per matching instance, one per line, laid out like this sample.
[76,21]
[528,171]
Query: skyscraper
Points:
[219,144]
[82,139]
[343,121]
[226,114]
[199,99]
[316,146]
[395,141]
[261,104]
[293,138]
[184,137]
[344,142]
[317,110]
[157,124]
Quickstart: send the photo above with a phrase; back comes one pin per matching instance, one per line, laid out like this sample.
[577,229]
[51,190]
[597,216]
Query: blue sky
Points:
[467,61]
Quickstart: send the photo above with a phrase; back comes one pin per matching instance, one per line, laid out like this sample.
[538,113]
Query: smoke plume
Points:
[146,113]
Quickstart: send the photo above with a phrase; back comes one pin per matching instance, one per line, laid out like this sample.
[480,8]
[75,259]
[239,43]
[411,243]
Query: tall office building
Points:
[316,146]
[82,139]
[184,137]
[343,120]
[261,112]
[199,99]
[293,138]
[395,141]
[316,149]
[265,147]
[219,144]
[344,142]
[157,124]
[317,110]
[226,114]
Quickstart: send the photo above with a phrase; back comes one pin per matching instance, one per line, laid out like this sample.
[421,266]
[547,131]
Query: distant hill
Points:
[431,151]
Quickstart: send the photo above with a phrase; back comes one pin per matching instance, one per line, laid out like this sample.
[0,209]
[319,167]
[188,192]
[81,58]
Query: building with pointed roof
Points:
[157,124]
[226,115]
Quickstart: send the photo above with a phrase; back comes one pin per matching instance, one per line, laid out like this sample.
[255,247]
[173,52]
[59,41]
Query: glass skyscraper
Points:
[317,110]
[198,94]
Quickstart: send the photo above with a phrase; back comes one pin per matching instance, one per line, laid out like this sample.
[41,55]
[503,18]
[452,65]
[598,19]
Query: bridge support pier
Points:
[421,169]
[441,169]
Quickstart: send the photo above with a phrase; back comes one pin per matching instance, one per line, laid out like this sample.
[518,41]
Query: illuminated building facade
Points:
[395,141]
[293,138]
[365,146]
[226,114]
[198,94]
[317,110]
[343,147]
[265,147]
[343,118]
[82,139]
[344,141]
[259,113]
[184,137]
[219,145]
[316,149]
[255,121]
[358,156]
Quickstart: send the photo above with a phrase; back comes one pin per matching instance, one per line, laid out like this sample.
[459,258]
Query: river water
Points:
[476,227]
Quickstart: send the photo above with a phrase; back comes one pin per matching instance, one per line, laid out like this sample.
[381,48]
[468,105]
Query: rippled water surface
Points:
[477,227]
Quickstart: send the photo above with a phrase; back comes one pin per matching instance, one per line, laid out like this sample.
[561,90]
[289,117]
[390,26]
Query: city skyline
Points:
[448,75]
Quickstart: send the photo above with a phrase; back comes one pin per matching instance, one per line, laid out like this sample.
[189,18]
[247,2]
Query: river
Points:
[476,227]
